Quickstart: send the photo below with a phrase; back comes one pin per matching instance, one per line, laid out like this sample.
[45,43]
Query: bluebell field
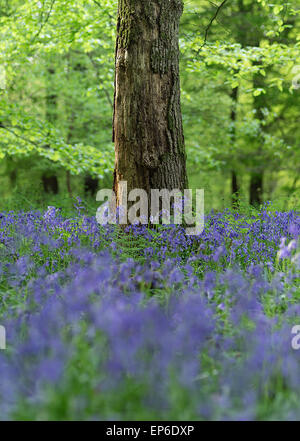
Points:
[103,324]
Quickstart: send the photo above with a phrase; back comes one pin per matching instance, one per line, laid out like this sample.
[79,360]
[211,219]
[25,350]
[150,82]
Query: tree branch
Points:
[43,22]
[211,22]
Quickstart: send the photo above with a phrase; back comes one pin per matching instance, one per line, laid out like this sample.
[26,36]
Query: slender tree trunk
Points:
[13,178]
[147,125]
[68,183]
[256,189]
[69,139]
[91,185]
[247,36]
[90,182]
[11,171]
[50,181]
[257,173]
[235,188]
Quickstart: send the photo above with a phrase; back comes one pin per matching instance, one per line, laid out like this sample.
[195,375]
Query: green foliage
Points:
[76,40]
[57,59]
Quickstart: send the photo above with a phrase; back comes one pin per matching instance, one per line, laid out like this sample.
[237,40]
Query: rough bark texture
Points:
[148,133]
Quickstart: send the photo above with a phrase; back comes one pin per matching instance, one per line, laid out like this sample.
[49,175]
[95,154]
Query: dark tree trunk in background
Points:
[256,189]
[89,182]
[13,178]
[257,173]
[91,185]
[51,98]
[249,35]
[235,188]
[68,183]
[11,171]
[50,181]
[148,133]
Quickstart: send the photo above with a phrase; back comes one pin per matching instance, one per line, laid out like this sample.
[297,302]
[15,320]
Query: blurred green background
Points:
[240,67]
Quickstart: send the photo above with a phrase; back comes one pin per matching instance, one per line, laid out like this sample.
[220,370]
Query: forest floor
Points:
[150,324]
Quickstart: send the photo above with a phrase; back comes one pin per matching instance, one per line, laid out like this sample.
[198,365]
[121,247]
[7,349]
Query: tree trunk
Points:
[90,185]
[257,174]
[256,188]
[147,125]
[235,188]
[13,178]
[68,183]
[50,181]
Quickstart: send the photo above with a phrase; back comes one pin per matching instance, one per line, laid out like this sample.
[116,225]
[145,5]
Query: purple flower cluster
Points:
[102,324]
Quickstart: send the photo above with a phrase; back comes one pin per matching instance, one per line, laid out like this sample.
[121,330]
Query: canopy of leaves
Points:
[57,80]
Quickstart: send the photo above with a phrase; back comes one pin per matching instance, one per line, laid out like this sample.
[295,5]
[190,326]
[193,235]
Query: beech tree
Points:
[147,124]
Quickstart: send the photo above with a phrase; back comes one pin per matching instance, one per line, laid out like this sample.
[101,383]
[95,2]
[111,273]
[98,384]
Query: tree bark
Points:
[147,124]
